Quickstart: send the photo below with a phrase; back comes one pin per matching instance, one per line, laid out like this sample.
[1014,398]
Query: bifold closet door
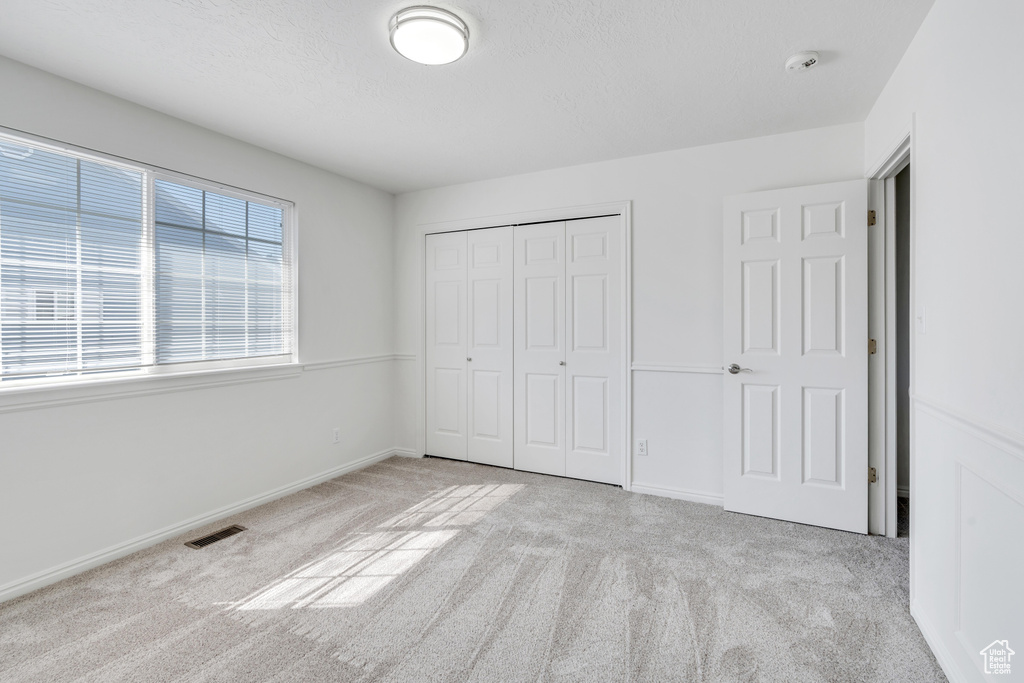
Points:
[469,345]
[446,347]
[540,348]
[489,356]
[523,347]
[568,349]
[593,349]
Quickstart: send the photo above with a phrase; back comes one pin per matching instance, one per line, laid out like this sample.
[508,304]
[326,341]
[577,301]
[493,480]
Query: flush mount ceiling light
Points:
[429,35]
[801,61]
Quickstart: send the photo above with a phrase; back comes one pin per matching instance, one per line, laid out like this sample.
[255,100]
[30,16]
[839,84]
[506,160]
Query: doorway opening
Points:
[901,187]
[893,324]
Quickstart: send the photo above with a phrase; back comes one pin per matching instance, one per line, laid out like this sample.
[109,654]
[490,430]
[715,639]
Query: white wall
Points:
[961,80]
[82,479]
[677,276]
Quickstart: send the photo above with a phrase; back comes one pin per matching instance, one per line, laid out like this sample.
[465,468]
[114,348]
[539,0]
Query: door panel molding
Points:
[795,320]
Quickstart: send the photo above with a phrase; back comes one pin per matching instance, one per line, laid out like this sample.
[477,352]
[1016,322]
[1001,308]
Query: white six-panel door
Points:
[446,346]
[568,350]
[540,348]
[795,324]
[489,355]
[593,377]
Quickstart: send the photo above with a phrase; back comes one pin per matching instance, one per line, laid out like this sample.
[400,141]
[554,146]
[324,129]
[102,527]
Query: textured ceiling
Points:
[546,83]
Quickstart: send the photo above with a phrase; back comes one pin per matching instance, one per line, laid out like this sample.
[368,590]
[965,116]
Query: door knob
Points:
[469,359]
[561,362]
[735,369]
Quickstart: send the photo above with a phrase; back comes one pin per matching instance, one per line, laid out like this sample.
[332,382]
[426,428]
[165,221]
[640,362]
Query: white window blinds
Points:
[220,277]
[70,264]
[104,268]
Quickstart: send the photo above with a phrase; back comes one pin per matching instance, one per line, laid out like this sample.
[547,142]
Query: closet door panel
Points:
[539,394]
[446,345]
[543,395]
[593,359]
[490,346]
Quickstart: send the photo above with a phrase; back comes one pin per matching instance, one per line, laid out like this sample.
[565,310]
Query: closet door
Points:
[593,357]
[446,272]
[489,356]
[540,348]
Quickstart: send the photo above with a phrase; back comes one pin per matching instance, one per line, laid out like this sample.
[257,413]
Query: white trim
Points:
[66,569]
[289,251]
[127,162]
[198,366]
[912,361]
[148,283]
[895,159]
[54,395]
[405,356]
[345,362]
[16,137]
[626,213]
[889,399]
[878,281]
[540,216]
[111,388]
[705,497]
[204,185]
[1004,439]
[407,453]
[674,367]
[938,647]
[421,346]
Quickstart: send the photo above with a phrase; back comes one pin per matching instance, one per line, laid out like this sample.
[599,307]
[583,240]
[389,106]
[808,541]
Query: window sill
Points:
[68,393]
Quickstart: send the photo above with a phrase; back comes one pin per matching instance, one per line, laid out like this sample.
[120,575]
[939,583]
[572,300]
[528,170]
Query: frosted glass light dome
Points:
[429,35]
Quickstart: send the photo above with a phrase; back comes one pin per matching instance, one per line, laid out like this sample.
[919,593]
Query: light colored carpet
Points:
[430,570]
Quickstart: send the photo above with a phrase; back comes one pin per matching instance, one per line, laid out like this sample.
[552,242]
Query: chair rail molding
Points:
[55,395]
[1004,439]
[678,367]
[357,360]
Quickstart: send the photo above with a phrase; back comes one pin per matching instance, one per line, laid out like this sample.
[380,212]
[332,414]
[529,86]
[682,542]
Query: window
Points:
[218,263]
[108,267]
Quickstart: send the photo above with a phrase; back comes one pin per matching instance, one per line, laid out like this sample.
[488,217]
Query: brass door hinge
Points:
[872,475]
[872,346]
[872,219]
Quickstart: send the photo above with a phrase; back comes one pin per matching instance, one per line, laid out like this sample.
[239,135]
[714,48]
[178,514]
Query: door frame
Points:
[624,210]
[882,503]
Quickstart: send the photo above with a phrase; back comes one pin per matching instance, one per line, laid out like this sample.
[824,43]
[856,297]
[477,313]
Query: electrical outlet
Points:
[641,447]
[337,435]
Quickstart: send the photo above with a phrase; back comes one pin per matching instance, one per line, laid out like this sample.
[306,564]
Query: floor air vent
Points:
[215,536]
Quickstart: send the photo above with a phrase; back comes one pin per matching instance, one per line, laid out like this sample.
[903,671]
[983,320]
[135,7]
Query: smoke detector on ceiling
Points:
[801,61]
